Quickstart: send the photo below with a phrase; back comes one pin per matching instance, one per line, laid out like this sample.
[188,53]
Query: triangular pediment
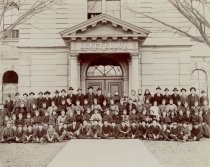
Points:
[104,27]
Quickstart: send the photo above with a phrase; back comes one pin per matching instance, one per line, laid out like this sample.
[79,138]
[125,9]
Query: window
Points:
[10,16]
[110,7]
[113,8]
[10,84]
[103,71]
[94,8]
[199,80]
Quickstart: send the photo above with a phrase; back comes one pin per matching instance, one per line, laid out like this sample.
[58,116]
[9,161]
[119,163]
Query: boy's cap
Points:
[70,88]
[79,89]
[31,93]
[166,89]
[184,89]
[63,90]
[193,88]
[158,88]
[90,87]
[47,93]
[17,94]
[25,94]
[57,92]
[203,91]
[175,89]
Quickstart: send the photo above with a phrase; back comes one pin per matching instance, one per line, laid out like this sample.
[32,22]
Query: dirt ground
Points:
[181,154]
[28,155]
[169,154]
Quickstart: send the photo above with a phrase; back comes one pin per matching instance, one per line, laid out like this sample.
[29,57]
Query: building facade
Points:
[102,43]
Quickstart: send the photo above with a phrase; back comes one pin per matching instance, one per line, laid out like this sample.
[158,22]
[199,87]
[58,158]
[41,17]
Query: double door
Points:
[106,85]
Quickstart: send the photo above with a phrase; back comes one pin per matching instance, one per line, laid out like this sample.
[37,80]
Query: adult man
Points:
[31,100]
[47,99]
[80,96]
[9,105]
[71,95]
[56,98]
[40,100]
[166,96]
[90,95]
[158,97]
[25,101]
[16,102]
[100,97]
[183,96]
[63,96]
[193,97]
[175,96]
[203,98]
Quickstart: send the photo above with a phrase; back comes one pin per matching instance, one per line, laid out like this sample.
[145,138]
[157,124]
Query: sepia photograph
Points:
[99,83]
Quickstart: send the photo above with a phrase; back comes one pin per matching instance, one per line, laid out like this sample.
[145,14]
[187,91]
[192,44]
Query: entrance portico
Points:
[100,38]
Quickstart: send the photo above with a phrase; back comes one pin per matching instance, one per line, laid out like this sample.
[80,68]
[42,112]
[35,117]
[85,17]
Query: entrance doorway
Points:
[10,84]
[106,73]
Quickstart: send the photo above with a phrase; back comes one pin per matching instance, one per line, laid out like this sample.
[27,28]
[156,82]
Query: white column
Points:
[135,71]
[74,77]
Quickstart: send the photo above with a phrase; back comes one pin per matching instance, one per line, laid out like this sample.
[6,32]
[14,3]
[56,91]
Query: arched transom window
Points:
[199,80]
[104,67]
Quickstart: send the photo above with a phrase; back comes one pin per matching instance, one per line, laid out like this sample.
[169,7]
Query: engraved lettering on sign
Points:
[104,46]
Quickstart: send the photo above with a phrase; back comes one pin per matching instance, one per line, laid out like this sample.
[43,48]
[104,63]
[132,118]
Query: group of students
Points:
[178,116]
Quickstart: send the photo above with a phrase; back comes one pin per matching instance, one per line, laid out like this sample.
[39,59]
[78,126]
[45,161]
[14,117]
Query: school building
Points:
[101,43]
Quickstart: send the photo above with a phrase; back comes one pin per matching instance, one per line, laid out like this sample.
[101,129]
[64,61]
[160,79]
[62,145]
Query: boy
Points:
[196,132]
[8,133]
[165,131]
[52,135]
[72,129]
[174,132]
[134,130]
[40,134]
[19,134]
[84,131]
[153,132]
[185,132]
[123,130]
[95,130]
[28,135]
[28,120]
[106,130]
[63,132]
[113,131]
[142,130]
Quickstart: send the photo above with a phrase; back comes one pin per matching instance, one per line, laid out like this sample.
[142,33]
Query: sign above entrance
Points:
[106,46]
